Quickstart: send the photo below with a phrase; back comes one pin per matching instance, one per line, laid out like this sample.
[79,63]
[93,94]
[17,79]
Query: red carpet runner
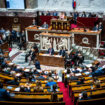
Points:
[66,98]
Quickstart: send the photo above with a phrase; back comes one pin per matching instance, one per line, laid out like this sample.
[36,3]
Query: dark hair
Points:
[82,80]
[84,94]
[50,74]
[54,87]
[54,97]
[68,71]
[1,85]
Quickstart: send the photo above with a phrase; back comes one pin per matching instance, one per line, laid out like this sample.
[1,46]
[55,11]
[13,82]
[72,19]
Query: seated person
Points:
[96,82]
[27,87]
[83,14]
[38,87]
[55,13]
[45,25]
[14,82]
[41,76]
[62,52]
[31,78]
[22,88]
[2,30]
[4,95]
[50,82]
[75,70]
[35,71]
[100,26]
[83,96]
[62,16]
[50,51]
[49,75]
[73,77]
[81,81]
[96,28]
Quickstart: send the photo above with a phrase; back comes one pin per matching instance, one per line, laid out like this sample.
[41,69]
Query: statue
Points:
[62,43]
[46,43]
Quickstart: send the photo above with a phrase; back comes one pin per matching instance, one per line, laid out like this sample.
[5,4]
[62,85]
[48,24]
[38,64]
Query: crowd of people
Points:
[13,37]
[98,27]
[32,75]
[72,61]
[71,14]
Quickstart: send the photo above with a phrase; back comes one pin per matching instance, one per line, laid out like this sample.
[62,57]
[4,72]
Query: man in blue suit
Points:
[96,28]
[62,52]
[45,25]
[37,64]
[50,51]
[4,95]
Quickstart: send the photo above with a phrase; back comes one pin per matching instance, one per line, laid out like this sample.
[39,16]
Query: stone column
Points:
[97,42]
[26,35]
[2,4]
[73,38]
[69,43]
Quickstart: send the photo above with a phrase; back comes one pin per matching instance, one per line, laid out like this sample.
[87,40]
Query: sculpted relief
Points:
[57,43]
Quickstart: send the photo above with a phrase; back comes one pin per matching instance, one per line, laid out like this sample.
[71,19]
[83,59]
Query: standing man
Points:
[37,64]
[62,52]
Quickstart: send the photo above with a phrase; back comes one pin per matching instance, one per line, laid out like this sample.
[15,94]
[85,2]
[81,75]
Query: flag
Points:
[7,4]
[74,4]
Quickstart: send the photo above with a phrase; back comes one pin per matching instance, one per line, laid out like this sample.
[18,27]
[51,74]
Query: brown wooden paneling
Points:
[4,46]
[7,22]
[31,36]
[92,40]
[50,61]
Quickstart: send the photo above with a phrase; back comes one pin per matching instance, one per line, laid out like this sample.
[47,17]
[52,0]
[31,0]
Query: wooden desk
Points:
[30,103]
[4,46]
[51,60]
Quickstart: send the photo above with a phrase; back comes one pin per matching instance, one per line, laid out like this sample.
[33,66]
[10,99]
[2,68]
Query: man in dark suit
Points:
[62,52]
[100,26]
[73,77]
[41,76]
[96,28]
[4,95]
[33,22]
[50,51]
[37,64]
[45,25]
[68,60]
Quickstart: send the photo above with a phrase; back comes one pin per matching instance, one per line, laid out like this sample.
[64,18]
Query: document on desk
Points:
[9,87]
[40,28]
[51,55]
[17,89]
[78,74]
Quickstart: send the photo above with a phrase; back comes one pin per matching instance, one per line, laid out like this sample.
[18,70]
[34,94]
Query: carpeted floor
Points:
[66,98]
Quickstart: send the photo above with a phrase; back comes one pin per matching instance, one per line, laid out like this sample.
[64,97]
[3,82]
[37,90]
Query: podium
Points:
[49,60]
[57,24]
